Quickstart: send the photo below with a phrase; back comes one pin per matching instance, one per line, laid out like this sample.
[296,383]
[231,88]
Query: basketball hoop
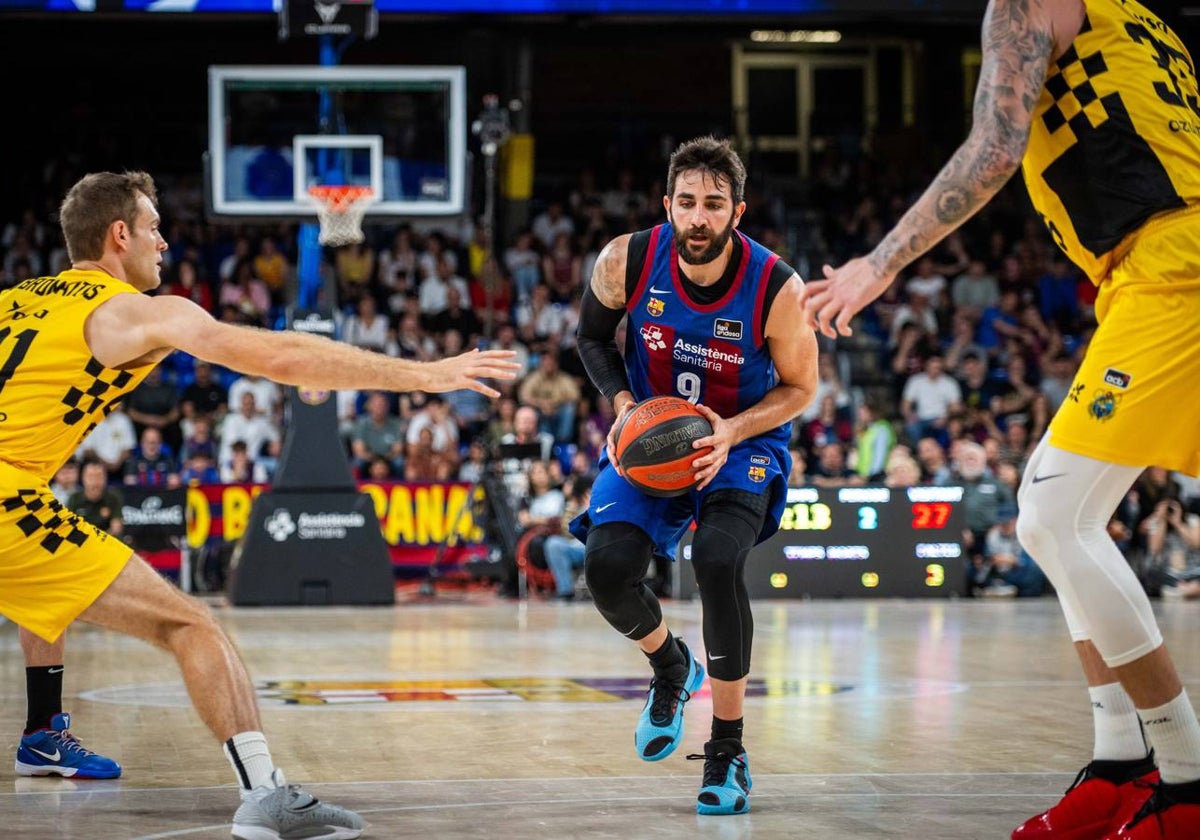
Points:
[341,209]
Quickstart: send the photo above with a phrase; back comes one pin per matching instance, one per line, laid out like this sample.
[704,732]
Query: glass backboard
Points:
[276,131]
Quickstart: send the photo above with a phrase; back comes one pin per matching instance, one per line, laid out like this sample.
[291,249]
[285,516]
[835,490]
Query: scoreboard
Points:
[855,542]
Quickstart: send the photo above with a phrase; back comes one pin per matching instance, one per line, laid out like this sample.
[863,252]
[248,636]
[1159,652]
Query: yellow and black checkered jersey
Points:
[52,390]
[1116,134]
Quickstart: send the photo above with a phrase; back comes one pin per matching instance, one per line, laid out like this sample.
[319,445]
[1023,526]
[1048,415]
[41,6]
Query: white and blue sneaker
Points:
[661,723]
[726,785]
[56,752]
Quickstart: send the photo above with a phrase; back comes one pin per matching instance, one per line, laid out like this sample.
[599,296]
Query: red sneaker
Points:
[1162,818]
[1093,808]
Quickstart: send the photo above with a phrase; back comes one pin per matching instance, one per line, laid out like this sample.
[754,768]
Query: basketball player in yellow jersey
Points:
[73,345]
[1097,101]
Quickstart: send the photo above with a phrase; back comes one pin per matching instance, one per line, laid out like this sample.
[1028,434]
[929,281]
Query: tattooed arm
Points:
[1018,42]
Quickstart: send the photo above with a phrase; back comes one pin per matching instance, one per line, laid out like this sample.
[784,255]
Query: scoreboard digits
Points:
[857,542]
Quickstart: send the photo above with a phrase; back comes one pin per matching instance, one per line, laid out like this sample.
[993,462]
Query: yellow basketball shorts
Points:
[1134,401]
[53,565]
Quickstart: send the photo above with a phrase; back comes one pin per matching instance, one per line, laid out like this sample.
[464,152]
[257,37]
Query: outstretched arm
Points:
[135,329]
[1018,41]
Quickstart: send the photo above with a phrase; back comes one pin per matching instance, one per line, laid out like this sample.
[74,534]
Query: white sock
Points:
[1174,733]
[251,760]
[1117,725]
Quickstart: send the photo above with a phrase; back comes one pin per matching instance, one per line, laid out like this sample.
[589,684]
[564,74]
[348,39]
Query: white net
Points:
[340,210]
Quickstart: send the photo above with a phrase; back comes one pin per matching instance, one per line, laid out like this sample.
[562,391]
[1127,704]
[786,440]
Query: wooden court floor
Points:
[490,719]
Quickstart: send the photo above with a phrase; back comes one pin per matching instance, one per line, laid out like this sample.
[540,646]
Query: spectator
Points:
[433,296]
[902,469]
[247,294]
[962,343]
[874,440]
[554,394]
[928,399]
[272,267]
[491,295]
[437,417]
[268,398]
[564,553]
[828,426]
[424,463]
[203,397]
[831,469]
[525,433]
[1000,322]
[918,310]
[475,465]
[983,495]
[551,222]
[186,282]
[66,481]
[240,468]
[934,467]
[1058,302]
[562,268]
[828,383]
[523,262]
[456,316]
[155,404]
[378,434]
[1057,379]
[543,504]
[539,318]
[200,468]
[257,431]
[354,266]
[96,502]
[153,463]
[411,340]
[366,328]
[975,291]
[506,339]
[398,268]
[1005,568]
[111,442]
[798,475]
[470,409]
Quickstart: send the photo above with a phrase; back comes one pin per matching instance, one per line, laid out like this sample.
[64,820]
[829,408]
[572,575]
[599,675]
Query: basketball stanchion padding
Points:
[654,445]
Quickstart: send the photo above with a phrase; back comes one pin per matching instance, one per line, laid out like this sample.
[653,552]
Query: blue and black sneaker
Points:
[56,752]
[726,785]
[661,722]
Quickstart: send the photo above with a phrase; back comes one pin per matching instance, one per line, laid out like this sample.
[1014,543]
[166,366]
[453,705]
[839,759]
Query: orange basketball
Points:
[654,445]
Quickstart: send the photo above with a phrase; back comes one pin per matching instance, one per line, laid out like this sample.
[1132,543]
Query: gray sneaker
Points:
[286,812]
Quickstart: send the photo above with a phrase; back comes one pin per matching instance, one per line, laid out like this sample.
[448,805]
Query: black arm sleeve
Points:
[596,339]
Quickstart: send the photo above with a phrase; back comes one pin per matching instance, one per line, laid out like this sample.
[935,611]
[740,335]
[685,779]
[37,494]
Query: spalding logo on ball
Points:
[654,445]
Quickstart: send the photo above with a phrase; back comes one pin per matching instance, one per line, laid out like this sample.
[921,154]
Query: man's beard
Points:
[715,246]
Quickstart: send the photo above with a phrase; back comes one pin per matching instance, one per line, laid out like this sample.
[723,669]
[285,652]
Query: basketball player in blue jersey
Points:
[712,319]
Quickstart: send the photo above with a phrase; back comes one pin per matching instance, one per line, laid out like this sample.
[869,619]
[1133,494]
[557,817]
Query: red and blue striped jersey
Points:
[711,353]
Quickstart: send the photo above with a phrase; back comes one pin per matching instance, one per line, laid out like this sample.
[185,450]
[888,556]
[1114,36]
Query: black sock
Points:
[1186,792]
[43,687]
[668,660]
[730,730]
[1119,772]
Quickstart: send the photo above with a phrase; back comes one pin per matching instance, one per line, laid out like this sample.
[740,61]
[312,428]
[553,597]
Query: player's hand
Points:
[721,440]
[465,370]
[622,404]
[830,304]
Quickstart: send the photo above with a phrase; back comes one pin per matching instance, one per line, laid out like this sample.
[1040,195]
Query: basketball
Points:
[654,445]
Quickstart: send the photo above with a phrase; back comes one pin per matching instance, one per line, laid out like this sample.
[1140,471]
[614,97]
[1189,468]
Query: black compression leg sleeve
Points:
[728,527]
[618,555]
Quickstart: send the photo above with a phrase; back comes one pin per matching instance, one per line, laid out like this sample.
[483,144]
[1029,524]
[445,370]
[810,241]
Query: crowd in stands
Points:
[951,378]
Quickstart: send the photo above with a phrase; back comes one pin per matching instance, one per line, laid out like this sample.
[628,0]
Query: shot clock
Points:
[856,542]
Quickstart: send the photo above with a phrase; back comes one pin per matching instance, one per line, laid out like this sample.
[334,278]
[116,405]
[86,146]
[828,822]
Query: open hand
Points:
[830,304]
[465,370]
